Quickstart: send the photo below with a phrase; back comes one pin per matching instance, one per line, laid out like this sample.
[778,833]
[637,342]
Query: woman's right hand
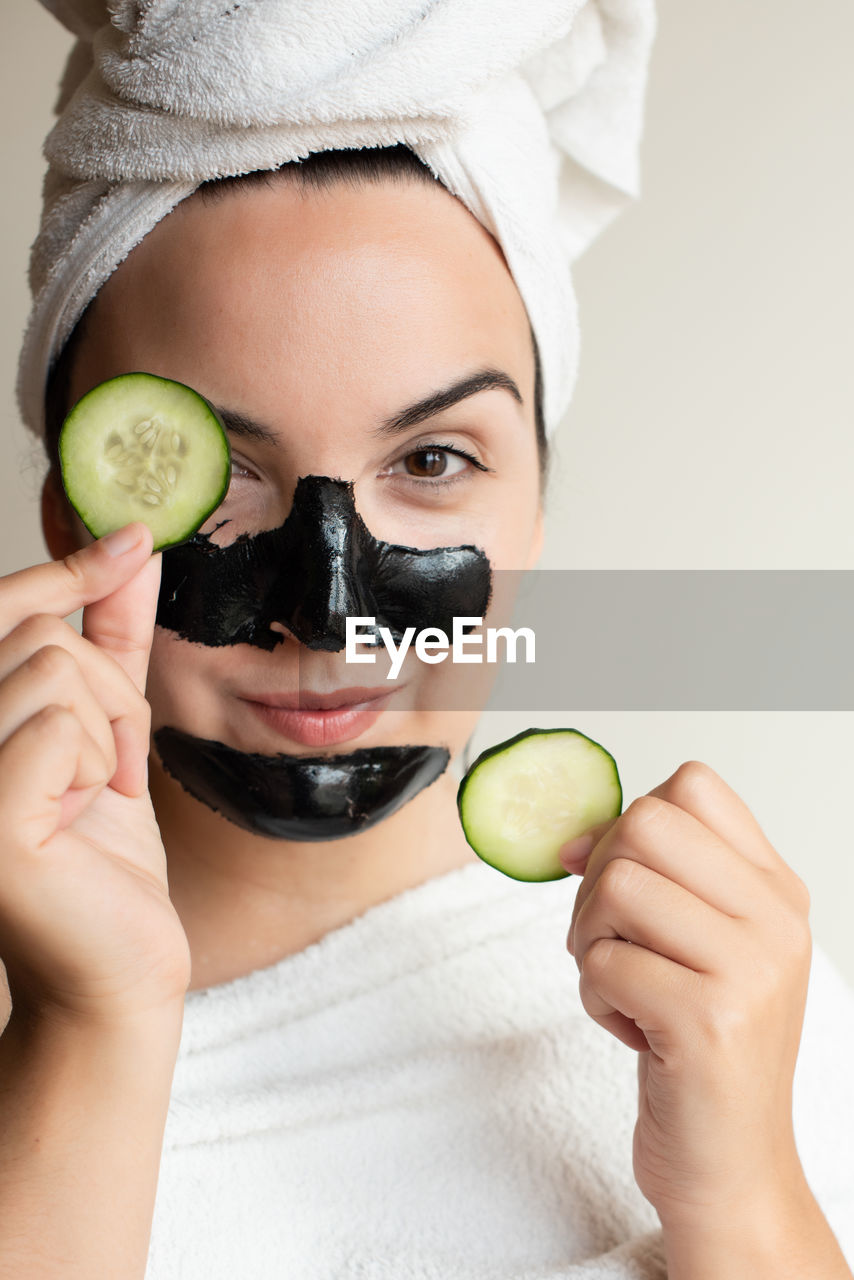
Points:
[87,929]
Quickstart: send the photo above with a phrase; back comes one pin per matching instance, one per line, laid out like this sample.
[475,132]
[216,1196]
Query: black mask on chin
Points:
[318,568]
[303,798]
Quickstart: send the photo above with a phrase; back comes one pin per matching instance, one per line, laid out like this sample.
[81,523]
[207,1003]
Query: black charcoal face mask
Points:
[317,569]
[299,797]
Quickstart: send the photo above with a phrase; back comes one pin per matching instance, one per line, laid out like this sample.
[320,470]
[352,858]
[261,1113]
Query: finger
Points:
[74,802]
[50,676]
[575,854]
[700,791]
[678,846]
[49,755]
[696,788]
[622,1028]
[122,623]
[61,586]
[644,988]
[633,903]
[116,692]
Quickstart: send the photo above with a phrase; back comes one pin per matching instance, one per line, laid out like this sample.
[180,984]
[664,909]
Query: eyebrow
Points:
[483,380]
[239,424]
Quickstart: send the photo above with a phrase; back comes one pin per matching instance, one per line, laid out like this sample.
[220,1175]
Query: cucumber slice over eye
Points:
[524,798]
[140,447]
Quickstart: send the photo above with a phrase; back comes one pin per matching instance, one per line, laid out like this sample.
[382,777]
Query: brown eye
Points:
[434,463]
[426,463]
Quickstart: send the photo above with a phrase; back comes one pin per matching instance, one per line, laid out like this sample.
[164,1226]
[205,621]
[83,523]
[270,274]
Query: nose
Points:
[319,583]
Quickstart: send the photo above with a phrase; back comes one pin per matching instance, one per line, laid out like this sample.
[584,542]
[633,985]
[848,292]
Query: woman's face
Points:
[314,321]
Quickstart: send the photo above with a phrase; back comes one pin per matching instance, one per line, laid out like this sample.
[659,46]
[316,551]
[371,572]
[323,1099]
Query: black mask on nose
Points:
[320,567]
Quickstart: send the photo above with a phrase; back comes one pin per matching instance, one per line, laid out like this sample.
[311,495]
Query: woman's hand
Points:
[87,930]
[691,935]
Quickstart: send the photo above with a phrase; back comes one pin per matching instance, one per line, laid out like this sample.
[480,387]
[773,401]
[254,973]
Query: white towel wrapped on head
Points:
[530,114]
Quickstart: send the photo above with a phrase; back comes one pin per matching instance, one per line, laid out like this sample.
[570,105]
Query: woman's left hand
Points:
[691,935]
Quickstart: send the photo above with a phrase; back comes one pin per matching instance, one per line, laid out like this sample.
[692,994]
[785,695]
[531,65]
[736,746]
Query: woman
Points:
[317,312]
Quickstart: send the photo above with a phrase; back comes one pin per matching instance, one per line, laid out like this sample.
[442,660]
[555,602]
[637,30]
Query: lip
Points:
[321,719]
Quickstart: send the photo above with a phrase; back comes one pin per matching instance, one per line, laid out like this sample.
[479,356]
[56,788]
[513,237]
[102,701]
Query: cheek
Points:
[183,680]
[498,517]
[508,529]
[506,522]
[451,729]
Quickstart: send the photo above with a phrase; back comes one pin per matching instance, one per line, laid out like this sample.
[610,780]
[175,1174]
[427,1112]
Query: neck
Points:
[246,902]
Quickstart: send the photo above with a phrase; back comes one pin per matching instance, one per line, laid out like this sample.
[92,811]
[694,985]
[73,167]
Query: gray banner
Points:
[654,640]
[684,640]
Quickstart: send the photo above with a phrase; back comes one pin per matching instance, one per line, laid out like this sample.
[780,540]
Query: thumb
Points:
[122,623]
[575,853]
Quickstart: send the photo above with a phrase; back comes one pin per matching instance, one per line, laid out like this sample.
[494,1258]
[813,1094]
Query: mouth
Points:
[321,719]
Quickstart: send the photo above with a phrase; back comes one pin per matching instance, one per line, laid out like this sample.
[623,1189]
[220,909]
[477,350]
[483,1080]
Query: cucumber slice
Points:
[140,447]
[524,798]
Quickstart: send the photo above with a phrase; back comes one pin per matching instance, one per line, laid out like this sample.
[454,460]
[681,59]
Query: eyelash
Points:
[419,447]
[422,446]
[236,465]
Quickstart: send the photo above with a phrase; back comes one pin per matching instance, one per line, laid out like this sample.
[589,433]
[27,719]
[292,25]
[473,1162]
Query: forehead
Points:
[372,292]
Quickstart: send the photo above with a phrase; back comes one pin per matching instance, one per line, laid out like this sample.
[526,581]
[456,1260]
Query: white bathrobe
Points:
[420,1096]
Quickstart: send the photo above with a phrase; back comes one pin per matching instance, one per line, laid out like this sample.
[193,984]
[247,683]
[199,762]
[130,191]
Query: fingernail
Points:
[578,849]
[122,541]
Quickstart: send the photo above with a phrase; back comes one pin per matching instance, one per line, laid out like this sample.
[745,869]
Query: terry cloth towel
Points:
[421,1096]
[529,113]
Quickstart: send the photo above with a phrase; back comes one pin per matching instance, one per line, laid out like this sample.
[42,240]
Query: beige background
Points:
[712,427]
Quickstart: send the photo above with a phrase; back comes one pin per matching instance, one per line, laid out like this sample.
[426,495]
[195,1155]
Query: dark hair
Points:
[320,171]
